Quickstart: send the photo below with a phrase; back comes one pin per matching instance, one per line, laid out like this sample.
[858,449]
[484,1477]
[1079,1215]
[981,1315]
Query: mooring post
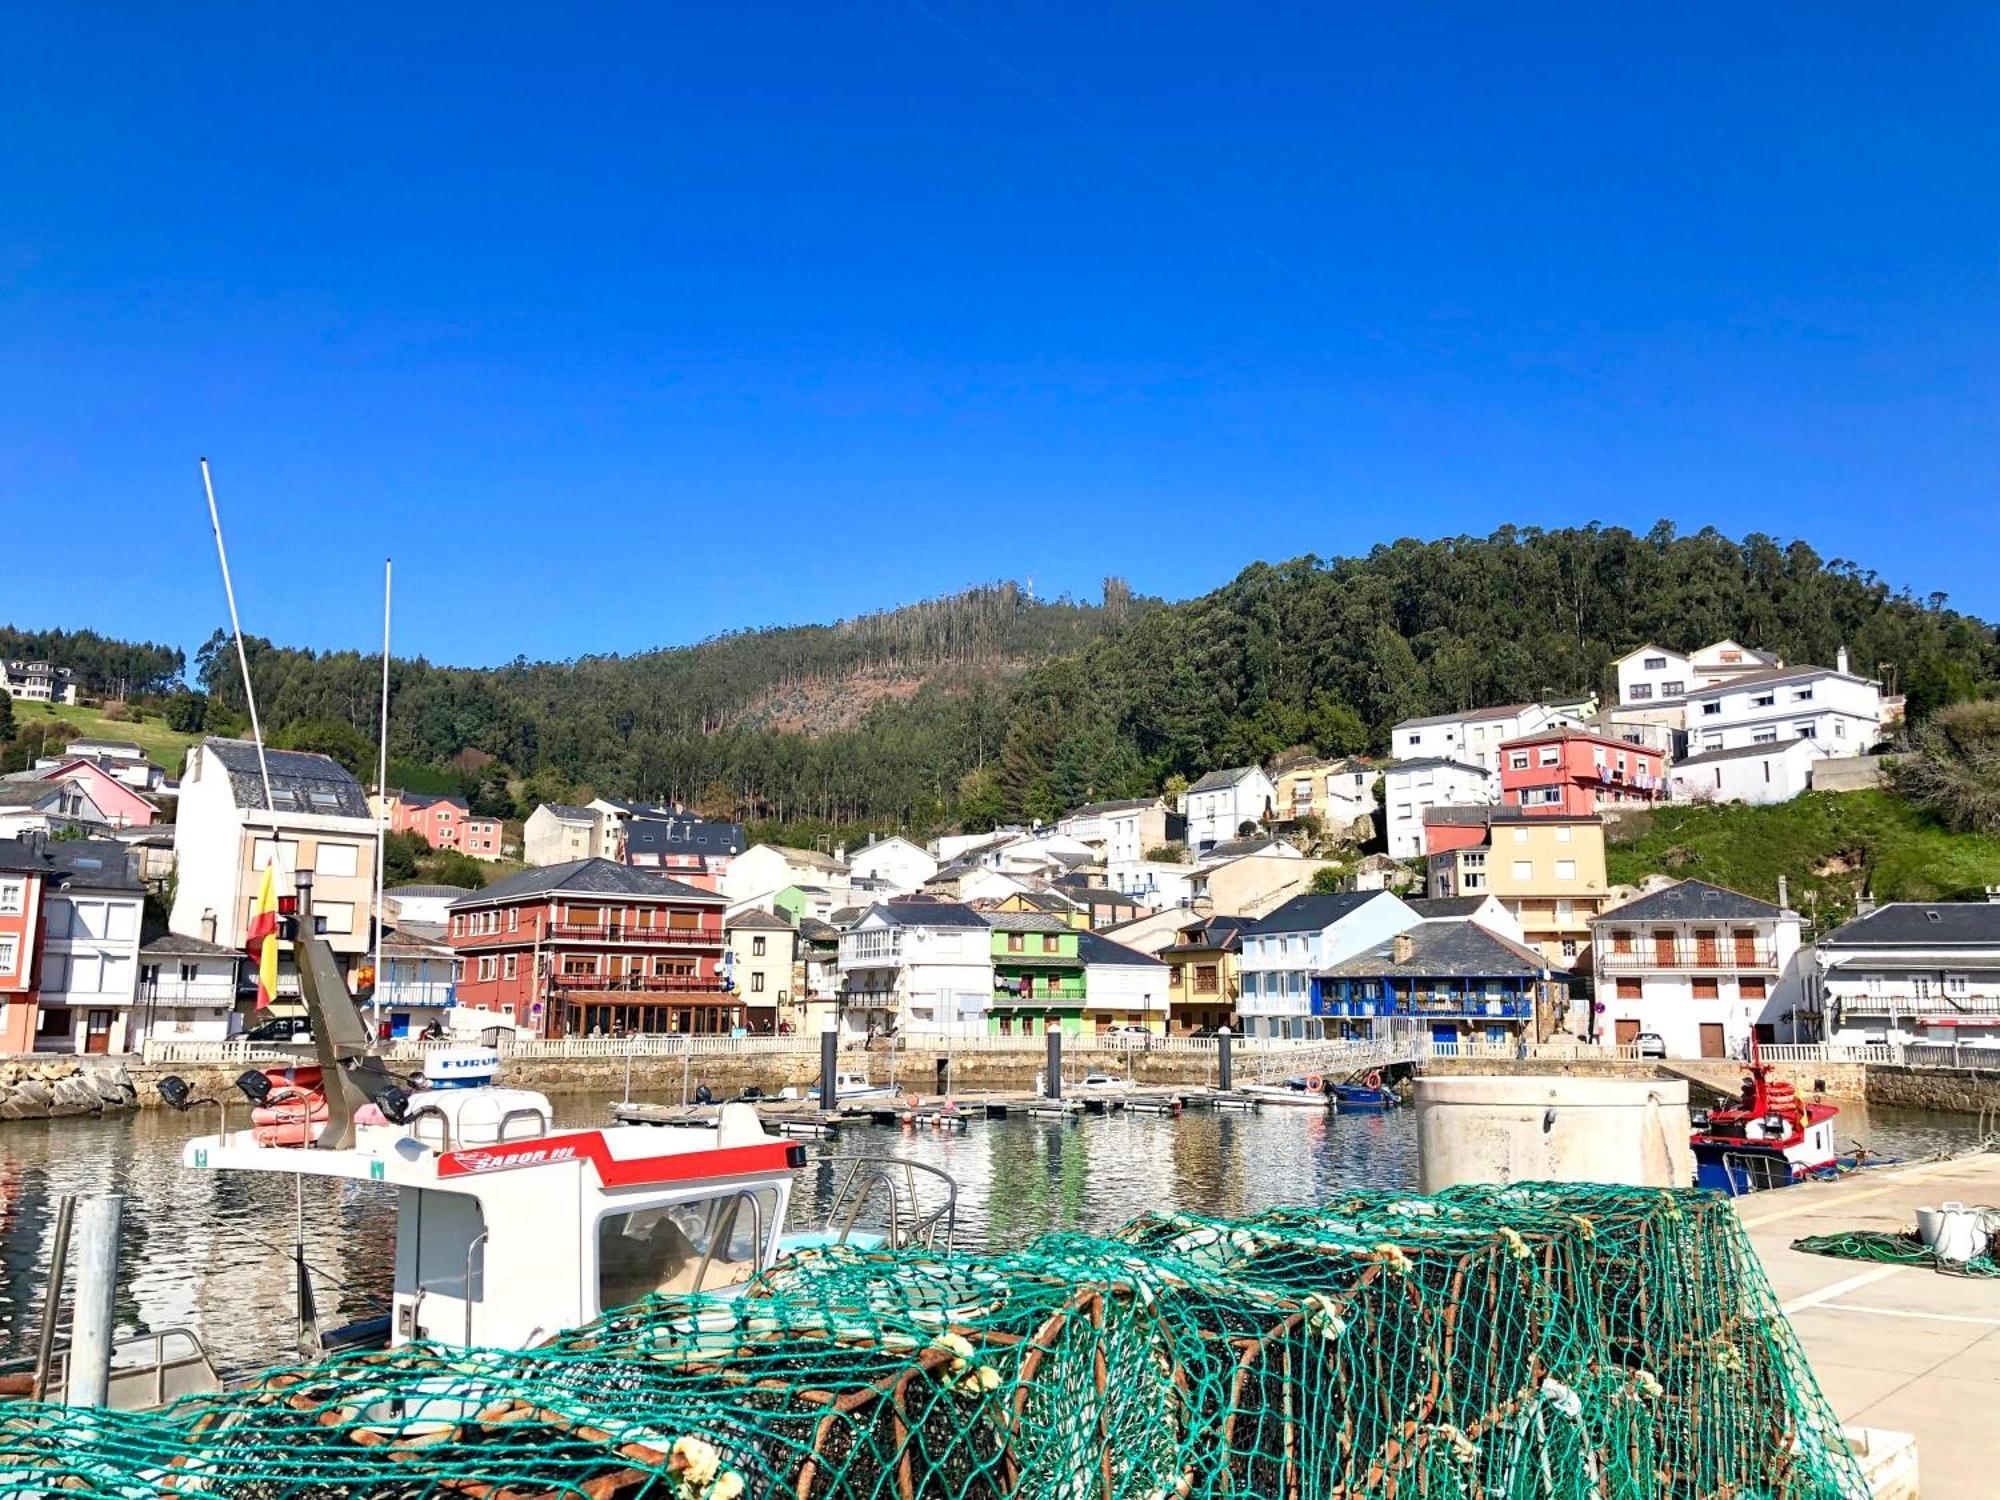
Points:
[45,1344]
[1222,1080]
[829,1064]
[1052,1085]
[96,1240]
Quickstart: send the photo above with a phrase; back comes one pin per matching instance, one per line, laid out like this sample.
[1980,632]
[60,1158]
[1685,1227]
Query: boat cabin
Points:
[508,1232]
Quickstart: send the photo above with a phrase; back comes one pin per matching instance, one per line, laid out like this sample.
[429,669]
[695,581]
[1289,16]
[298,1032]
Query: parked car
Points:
[281,1029]
[1125,1034]
[1650,1044]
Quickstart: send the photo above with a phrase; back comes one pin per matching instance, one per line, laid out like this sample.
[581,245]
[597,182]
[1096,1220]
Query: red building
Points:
[445,823]
[20,940]
[1576,773]
[593,947]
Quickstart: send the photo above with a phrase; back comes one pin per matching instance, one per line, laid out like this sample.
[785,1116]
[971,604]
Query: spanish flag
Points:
[258,941]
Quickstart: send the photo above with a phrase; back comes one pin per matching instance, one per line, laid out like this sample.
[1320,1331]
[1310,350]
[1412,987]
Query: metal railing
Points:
[1722,955]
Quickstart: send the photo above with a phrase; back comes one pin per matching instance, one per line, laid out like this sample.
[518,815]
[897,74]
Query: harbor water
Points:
[211,1251]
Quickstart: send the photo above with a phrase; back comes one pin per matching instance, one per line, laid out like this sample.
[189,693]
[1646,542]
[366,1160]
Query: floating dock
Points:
[1895,1348]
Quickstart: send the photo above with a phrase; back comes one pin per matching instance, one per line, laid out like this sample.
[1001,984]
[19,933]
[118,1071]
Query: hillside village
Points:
[1458,885]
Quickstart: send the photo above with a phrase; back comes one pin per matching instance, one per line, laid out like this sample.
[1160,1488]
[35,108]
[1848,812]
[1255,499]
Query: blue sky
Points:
[622,326]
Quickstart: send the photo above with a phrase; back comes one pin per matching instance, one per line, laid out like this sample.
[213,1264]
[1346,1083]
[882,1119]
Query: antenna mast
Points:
[242,657]
[381,801]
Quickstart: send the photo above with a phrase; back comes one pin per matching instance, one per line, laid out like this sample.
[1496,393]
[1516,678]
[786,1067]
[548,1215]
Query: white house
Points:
[1482,910]
[35,806]
[772,867]
[1840,713]
[952,847]
[918,968]
[1282,952]
[1915,971]
[187,991]
[899,864]
[1652,674]
[427,906]
[1474,736]
[1154,882]
[1122,986]
[37,682]
[555,834]
[1703,968]
[1123,830]
[1749,773]
[1218,805]
[91,912]
[1411,786]
[224,837]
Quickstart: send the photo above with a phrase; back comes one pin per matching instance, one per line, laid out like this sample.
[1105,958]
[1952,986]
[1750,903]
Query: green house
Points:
[1037,975]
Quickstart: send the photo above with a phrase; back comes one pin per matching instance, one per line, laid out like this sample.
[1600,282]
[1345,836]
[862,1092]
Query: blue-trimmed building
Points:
[1455,979]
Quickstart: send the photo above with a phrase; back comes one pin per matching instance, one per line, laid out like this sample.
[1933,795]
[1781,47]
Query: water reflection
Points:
[211,1250]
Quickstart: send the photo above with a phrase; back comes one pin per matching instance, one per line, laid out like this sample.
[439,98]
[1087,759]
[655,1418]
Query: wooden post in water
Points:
[1222,1078]
[45,1346]
[829,1066]
[1052,1085]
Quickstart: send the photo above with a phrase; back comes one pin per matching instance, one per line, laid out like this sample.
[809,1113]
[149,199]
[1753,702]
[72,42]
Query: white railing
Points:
[1947,1055]
[1826,1052]
[157,1050]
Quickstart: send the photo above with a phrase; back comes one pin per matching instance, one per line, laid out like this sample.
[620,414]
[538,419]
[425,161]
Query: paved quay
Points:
[1895,1347]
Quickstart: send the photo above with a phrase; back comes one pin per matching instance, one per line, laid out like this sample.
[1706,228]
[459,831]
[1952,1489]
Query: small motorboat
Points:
[1105,1081]
[1304,1093]
[1768,1138]
[1371,1096]
[854,1086]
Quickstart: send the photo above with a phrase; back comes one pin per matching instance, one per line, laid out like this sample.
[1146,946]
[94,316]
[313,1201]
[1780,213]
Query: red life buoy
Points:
[1315,1084]
[1374,1078]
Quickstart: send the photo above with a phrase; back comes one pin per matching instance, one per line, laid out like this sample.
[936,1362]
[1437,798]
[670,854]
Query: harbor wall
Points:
[1941,1090]
[56,1086]
[1716,1075]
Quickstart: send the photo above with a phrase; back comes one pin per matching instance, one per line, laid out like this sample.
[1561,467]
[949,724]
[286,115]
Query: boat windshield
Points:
[701,1245]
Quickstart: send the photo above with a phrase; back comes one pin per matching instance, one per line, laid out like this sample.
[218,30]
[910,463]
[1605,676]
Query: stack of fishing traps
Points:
[1525,1341]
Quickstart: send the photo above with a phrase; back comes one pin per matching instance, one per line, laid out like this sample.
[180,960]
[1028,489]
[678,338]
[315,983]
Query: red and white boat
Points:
[1768,1138]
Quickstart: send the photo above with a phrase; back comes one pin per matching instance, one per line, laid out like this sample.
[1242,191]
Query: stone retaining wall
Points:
[1836,1080]
[1949,1090]
[35,1088]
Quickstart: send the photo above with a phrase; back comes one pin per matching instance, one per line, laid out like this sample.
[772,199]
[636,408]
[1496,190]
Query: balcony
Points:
[1654,956]
[620,932]
[869,1000]
[1902,1005]
[634,984]
[413,994]
[1441,1004]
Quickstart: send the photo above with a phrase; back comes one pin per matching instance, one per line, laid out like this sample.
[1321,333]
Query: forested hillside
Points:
[1000,707]
[102,665]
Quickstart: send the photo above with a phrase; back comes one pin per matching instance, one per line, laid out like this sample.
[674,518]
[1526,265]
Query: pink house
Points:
[440,820]
[1569,771]
[121,806]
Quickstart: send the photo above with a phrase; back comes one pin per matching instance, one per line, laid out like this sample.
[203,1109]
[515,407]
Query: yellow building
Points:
[1202,977]
[1334,791]
[1041,904]
[1547,869]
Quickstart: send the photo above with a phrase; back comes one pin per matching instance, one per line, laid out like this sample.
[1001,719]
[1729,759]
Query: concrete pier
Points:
[1894,1347]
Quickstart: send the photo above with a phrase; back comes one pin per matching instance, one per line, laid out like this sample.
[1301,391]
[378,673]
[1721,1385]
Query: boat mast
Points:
[242,657]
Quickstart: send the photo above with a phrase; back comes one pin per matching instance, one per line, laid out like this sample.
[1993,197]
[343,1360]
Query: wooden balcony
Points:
[1723,956]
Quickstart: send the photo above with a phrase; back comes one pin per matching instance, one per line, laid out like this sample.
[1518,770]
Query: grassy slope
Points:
[165,747]
[1827,843]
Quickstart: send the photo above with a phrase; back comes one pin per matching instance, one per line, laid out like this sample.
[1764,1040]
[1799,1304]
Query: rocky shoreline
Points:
[35,1089]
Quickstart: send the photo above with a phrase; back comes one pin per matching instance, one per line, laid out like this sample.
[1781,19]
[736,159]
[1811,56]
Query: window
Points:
[1877,985]
[1049,943]
[757,983]
[190,973]
[1750,989]
[1563,834]
[1416,739]
[1641,690]
[1621,942]
[1472,880]
[1015,942]
[683,921]
[1764,737]
[1565,869]
[1597,755]
[670,1249]
[1840,729]
[336,859]
[1656,664]
[487,966]
[1707,989]
[1565,911]
[1569,947]
[1802,695]
[1957,986]
[1520,835]
[1518,760]
[9,949]
[1524,869]
[513,919]
[1551,755]
[1806,729]
[510,966]
[333,916]
[1628,989]
[757,946]
[285,851]
[573,963]
[1711,740]
[1763,700]
[1920,986]
[1250,981]
[13,897]
[1674,688]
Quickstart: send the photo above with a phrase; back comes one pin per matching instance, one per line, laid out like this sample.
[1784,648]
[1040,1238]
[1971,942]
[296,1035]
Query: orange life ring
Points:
[1315,1084]
[913,1101]
[1374,1079]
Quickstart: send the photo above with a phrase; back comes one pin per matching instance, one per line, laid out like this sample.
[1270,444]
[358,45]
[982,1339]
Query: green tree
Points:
[400,853]
[343,742]
[186,712]
[453,868]
[6,717]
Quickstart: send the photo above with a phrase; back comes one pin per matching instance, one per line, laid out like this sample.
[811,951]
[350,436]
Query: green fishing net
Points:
[1495,1342]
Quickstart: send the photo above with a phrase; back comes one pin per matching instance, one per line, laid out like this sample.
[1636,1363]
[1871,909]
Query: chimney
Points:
[1840,660]
[1784,894]
[1993,894]
[840,854]
[1403,948]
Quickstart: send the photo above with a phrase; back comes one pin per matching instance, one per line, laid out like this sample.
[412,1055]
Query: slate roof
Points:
[1457,815]
[1431,762]
[1741,752]
[1097,895]
[756,917]
[1237,848]
[301,781]
[1217,935]
[1026,921]
[1313,911]
[1444,950]
[419,890]
[1218,781]
[1095,948]
[1124,804]
[813,930]
[418,940]
[928,914]
[88,864]
[107,747]
[1690,901]
[29,793]
[1922,924]
[811,858]
[179,945]
[1426,721]
[682,835]
[432,799]
[569,814]
[1503,711]
[585,877]
[1774,675]
[1441,908]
